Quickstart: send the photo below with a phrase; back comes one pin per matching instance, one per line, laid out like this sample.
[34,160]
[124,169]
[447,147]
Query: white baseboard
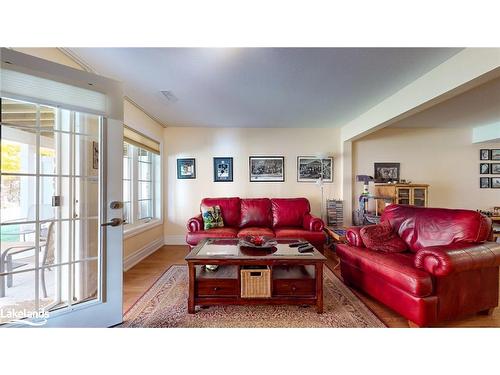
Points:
[175,239]
[142,253]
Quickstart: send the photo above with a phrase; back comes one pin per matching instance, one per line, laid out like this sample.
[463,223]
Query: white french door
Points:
[61,253]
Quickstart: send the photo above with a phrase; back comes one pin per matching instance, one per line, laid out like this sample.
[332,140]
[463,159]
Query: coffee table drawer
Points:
[217,288]
[286,287]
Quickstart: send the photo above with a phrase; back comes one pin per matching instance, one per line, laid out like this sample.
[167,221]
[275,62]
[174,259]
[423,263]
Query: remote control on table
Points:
[298,244]
[306,249]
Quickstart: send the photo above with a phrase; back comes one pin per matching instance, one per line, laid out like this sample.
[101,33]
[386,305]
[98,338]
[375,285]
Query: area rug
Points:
[165,305]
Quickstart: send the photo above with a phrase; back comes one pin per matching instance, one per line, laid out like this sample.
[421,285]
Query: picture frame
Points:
[266,168]
[484,154]
[386,172]
[495,183]
[495,168]
[495,154]
[186,168]
[484,183]
[95,155]
[223,169]
[311,169]
[484,168]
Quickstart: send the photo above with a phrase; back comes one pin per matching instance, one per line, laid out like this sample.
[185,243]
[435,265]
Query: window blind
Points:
[137,139]
[24,86]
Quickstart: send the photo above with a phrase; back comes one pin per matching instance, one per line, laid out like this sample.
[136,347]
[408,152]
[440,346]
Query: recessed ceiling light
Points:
[170,96]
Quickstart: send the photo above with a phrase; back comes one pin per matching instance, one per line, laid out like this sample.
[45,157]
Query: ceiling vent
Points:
[170,96]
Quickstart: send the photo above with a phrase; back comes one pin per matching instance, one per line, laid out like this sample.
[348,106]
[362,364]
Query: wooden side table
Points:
[335,236]
[496,223]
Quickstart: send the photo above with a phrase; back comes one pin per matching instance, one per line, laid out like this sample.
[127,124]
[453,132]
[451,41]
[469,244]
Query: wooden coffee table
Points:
[295,278]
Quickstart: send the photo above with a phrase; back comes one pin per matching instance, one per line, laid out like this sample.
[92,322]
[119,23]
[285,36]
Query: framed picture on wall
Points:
[267,168]
[484,168]
[312,169]
[223,169]
[495,182]
[386,172]
[484,154]
[495,168]
[495,154]
[186,169]
[484,182]
[95,155]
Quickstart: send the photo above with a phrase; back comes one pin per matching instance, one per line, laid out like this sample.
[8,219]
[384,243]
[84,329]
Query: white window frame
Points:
[137,226]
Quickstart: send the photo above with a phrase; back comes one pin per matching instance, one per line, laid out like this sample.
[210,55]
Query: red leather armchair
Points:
[450,271]
[278,217]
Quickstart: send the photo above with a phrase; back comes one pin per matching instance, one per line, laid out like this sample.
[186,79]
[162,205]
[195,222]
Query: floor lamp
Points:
[321,184]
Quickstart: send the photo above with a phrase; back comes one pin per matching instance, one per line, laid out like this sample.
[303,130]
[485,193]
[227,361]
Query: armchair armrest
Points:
[354,237]
[195,224]
[312,223]
[459,257]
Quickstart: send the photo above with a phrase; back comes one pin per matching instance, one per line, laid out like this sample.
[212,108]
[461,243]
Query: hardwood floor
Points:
[138,279]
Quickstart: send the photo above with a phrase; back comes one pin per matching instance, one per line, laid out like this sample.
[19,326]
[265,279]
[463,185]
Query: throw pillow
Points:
[212,217]
[381,237]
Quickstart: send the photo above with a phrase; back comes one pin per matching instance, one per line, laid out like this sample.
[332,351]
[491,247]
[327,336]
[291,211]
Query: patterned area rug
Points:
[165,305]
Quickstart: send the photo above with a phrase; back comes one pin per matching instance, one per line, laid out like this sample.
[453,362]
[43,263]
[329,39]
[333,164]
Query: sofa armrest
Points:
[354,237]
[459,257]
[195,224]
[312,223]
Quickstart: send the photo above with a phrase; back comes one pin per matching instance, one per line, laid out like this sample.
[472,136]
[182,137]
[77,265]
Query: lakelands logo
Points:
[25,317]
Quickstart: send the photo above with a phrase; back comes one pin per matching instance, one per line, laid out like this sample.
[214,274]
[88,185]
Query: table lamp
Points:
[365,179]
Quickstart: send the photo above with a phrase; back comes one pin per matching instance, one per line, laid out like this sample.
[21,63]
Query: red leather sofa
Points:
[449,271]
[277,217]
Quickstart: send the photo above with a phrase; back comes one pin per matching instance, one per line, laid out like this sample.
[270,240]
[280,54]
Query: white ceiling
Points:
[262,87]
[476,107]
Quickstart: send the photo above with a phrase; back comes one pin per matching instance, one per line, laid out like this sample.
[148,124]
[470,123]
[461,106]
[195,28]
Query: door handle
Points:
[113,223]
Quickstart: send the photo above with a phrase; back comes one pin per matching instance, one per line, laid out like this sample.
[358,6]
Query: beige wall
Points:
[183,196]
[444,158]
[435,147]
[134,118]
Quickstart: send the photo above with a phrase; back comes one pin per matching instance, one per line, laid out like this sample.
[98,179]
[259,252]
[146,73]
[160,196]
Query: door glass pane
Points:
[86,281]
[47,188]
[47,117]
[86,155]
[19,299]
[53,287]
[18,113]
[49,228]
[87,124]
[17,198]
[18,149]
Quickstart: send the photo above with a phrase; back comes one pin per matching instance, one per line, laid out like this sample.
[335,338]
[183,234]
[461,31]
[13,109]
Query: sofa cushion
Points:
[289,212]
[381,237]
[299,233]
[255,231]
[256,212]
[192,238]
[230,209]
[397,269]
[212,217]
[423,227]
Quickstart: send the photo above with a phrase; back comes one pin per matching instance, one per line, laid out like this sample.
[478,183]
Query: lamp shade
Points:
[364,178]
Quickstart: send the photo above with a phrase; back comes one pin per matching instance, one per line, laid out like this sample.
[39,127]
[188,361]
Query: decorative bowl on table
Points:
[258,242]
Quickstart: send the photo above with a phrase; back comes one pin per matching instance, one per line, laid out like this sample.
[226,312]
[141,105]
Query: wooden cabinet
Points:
[412,194]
